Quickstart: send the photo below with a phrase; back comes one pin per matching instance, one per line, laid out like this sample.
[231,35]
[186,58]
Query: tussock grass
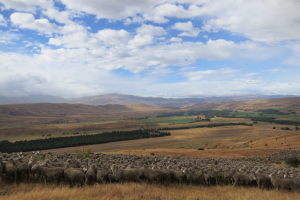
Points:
[140,191]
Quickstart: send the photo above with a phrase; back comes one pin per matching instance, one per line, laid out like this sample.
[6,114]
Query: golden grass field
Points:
[67,129]
[137,191]
[228,141]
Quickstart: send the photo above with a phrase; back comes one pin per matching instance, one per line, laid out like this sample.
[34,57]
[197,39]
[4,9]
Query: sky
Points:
[169,48]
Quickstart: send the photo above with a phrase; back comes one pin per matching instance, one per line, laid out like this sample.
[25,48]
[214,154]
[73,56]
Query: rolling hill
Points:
[132,99]
[284,104]
[21,114]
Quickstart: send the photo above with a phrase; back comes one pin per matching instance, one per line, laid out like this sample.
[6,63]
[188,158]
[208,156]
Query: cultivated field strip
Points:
[88,168]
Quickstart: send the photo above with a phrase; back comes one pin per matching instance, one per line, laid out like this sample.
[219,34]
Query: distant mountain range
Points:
[132,99]
[41,113]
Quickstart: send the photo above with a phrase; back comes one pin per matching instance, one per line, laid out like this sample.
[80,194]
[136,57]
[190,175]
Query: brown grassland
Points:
[141,191]
[228,141]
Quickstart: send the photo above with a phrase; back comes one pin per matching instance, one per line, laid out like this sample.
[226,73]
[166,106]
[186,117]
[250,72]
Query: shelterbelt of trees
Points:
[71,141]
[263,115]
[205,126]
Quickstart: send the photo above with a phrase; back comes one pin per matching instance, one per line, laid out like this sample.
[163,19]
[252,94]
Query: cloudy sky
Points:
[74,48]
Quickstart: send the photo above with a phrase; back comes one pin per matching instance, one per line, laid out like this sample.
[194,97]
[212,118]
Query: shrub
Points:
[293,162]
[86,153]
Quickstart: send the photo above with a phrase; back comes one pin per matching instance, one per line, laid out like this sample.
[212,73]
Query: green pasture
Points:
[170,120]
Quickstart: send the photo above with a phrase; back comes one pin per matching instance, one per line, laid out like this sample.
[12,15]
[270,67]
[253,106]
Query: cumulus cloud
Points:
[112,9]
[225,73]
[8,37]
[28,21]
[150,30]
[175,39]
[266,21]
[294,56]
[187,29]
[28,5]
[75,59]
[2,21]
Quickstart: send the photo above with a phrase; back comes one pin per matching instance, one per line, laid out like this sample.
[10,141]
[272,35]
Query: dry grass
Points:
[283,104]
[229,141]
[142,191]
[68,129]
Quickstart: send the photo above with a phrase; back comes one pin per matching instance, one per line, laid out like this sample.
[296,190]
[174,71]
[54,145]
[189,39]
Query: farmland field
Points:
[171,120]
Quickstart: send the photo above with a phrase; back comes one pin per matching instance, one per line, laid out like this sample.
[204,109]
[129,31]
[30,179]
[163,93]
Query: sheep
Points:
[241,180]
[74,176]
[90,175]
[263,181]
[9,171]
[281,183]
[102,176]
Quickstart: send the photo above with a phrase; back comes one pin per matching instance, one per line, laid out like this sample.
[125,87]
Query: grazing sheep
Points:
[196,178]
[263,181]
[48,174]
[102,176]
[180,176]
[228,178]
[1,170]
[131,174]
[102,168]
[22,172]
[90,175]
[9,172]
[210,178]
[296,184]
[282,183]
[74,176]
[241,180]
[151,175]
[167,176]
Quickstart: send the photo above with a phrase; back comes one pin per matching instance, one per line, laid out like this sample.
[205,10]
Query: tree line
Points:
[71,141]
[205,126]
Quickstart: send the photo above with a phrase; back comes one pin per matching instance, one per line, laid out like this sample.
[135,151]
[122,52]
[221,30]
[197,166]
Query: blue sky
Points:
[165,48]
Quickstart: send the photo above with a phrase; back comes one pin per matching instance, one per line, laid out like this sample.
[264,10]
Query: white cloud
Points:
[28,5]
[112,9]
[151,30]
[140,41]
[266,21]
[222,73]
[83,56]
[2,21]
[187,29]
[275,20]
[28,21]
[294,54]
[8,37]
[175,39]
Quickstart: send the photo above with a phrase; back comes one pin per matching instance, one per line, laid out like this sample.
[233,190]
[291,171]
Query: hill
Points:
[132,99]
[32,99]
[160,101]
[284,104]
[20,114]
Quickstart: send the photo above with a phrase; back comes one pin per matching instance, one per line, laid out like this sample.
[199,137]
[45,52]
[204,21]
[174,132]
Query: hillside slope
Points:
[283,104]
[20,114]
[160,101]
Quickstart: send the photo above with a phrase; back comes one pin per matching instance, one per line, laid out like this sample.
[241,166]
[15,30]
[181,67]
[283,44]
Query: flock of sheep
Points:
[79,169]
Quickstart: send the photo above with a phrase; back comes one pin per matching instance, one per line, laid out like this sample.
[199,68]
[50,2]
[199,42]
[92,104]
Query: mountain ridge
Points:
[125,99]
